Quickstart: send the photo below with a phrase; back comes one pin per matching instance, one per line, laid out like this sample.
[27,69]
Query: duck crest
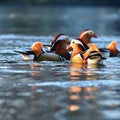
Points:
[57,38]
[61,36]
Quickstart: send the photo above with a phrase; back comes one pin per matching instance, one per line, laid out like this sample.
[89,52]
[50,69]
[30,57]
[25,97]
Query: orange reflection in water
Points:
[83,72]
[73,107]
[74,97]
[35,70]
[75,71]
[74,89]
[78,94]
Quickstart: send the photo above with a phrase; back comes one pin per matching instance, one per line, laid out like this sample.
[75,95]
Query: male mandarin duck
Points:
[85,38]
[41,55]
[57,50]
[90,56]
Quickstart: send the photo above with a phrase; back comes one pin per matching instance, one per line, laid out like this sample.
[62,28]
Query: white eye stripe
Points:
[84,33]
[78,42]
[63,37]
[75,41]
[90,32]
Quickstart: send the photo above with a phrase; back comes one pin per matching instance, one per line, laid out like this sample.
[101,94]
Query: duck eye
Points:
[73,42]
[90,32]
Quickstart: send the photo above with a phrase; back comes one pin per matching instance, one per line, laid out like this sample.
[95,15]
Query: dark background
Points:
[49,17]
[62,2]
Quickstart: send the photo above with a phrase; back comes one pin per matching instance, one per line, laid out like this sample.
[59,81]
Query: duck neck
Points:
[37,54]
[85,39]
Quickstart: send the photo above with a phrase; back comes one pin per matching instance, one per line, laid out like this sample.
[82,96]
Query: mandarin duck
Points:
[57,50]
[41,55]
[90,56]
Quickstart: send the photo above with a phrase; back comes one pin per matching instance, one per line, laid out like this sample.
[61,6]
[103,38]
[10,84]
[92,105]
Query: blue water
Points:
[57,90]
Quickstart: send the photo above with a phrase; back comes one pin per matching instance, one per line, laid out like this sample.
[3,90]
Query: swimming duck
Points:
[41,55]
[85,38]
[90,56]
[57,50]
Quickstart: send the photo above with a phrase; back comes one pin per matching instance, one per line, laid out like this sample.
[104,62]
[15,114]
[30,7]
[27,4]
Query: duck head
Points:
[112,47]
[38,49]
[86,35]
[75,46]
[59,44]
[78,56]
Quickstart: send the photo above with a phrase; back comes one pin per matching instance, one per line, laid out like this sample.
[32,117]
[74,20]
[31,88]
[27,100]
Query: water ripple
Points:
[97,83]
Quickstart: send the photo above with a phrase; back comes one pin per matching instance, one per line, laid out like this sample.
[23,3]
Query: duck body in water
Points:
[110,51]
[90,56]
[57,52]
[41,55]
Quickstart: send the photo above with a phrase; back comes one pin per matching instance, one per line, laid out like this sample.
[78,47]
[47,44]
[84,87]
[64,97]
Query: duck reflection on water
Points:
[84,72]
